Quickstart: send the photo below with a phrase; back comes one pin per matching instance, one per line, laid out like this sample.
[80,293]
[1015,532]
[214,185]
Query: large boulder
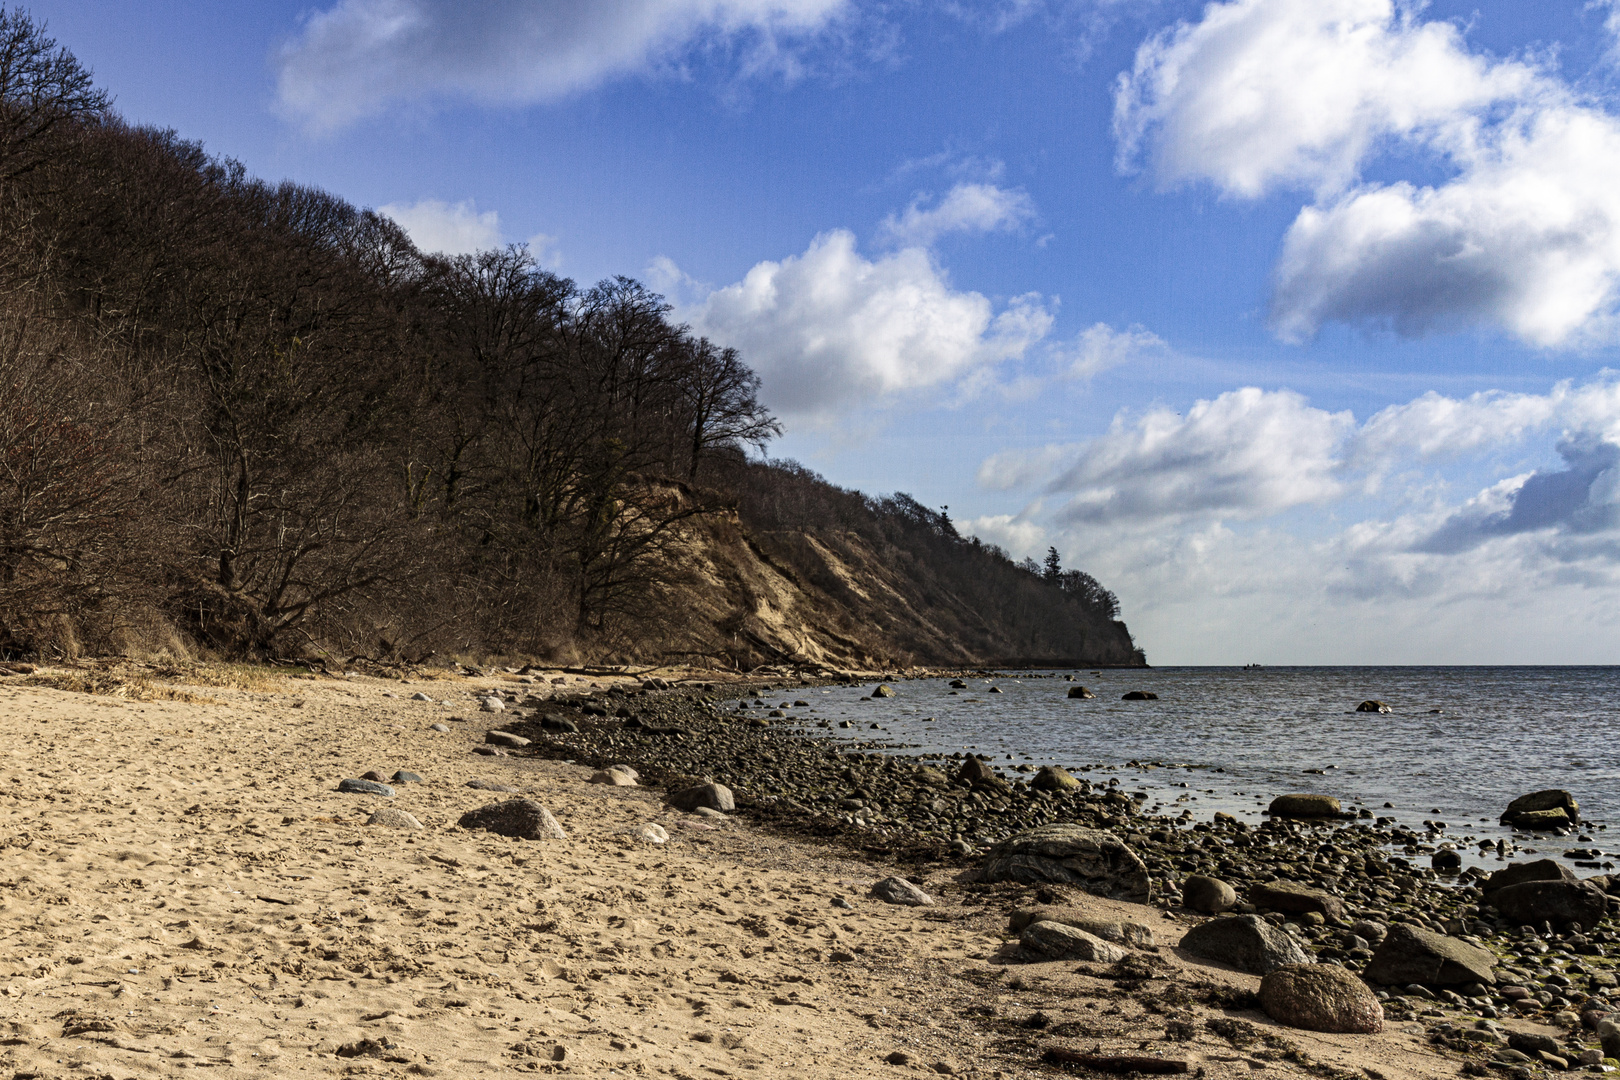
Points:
[1520,872]
[1305,806]
[1292,898]
[1558,902]
[1120,933]
[883,691]
[1080,692]
[707,796]
[524,819]
[1373,705]
[1058,941]
[1538,806]
[1207,895]
[1247,942]
[1409,955]
[1065,854]
[1053,778]
[1321,997]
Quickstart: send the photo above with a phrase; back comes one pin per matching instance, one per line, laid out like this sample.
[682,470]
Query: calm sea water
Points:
[1461,743]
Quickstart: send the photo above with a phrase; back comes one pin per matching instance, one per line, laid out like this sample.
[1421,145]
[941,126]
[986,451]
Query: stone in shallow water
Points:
[524,819]
[1547,805]
[1067,854]
[1080,692]
[365,787]
[1305,806]
[1321,997]
[1374,707]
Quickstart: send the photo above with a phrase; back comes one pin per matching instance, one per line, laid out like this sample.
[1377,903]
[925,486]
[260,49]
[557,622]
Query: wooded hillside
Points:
[247,418]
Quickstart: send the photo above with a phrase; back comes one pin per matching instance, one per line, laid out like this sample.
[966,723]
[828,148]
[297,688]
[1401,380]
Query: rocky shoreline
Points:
[1334,887]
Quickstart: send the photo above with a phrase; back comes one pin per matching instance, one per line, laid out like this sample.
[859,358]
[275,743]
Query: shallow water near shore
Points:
[1231,739]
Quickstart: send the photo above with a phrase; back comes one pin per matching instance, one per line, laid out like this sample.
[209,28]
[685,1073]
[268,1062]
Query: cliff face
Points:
[844,599]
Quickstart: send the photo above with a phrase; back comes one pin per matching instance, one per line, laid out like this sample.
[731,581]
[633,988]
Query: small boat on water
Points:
[1253,667]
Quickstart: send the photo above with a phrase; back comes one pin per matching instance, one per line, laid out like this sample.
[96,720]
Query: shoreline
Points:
[188,889]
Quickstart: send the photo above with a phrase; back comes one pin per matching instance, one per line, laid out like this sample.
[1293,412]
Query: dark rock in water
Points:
[1097,861]
[1410,955]
[1057,941]
[521,818]
[883,691]
[1246,942]
[403,777]
[1538,809]
[1080,692]
[897,890]
[712,796]
[958,684]
[1207,895]
[1373,706]
[1053,778]
[1305,806]
[994,690]
[1447,860]
[505,738]
[1558,902]
[1120,933]
[1542,820]
[1519,873]
[1321,997]
[365,787]
[1295,899]
[1139,695]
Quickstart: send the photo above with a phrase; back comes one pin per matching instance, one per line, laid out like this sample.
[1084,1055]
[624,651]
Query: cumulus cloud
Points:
[832,328]
[1245,528]
[447,228]
[966,208]
[1262,95]
[353,59]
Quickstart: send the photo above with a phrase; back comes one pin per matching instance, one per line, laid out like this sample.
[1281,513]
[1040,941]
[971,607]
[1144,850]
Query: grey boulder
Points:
[1558,902]
[1207,895]
[709,796]
[1305,806]
[365,787]
[1118,932]
[1059,941]
[1409,955]
[897,890]
[524,819]
[1540,802]
[1247,942]
[1097,861]
[1295,899]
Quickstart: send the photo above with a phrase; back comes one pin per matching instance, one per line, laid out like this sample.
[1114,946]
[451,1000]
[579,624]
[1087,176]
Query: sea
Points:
[1459,744]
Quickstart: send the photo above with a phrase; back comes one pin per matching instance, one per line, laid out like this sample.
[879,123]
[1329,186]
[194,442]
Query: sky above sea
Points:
[1295,322]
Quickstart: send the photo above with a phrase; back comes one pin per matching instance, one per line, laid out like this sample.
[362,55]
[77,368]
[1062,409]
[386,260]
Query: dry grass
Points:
[112,684]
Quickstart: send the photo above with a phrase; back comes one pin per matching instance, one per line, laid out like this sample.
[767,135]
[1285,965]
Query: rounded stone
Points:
[1207,895]
[1321,997]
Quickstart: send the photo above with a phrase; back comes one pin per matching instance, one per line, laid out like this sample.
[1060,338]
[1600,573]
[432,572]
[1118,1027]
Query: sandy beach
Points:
[184,888]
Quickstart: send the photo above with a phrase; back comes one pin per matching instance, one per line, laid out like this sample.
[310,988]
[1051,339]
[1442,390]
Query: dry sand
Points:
[182,888]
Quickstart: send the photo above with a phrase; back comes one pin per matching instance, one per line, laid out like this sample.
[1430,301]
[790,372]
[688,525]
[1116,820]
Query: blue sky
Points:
[1291,320]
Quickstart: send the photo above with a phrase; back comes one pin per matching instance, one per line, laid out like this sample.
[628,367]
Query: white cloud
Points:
[1199,522]
[831,328]
[446,228]
[1100,347]
[967,208]
[1015,533]
[356,57]
[1266,94]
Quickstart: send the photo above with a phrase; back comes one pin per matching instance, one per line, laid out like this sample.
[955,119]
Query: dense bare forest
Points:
[244,418]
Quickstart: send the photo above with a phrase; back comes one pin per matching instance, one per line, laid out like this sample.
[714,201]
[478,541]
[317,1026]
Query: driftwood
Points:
[1113,1063]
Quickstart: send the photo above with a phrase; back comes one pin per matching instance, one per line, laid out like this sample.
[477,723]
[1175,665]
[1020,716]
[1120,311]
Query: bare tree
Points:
[42,87]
